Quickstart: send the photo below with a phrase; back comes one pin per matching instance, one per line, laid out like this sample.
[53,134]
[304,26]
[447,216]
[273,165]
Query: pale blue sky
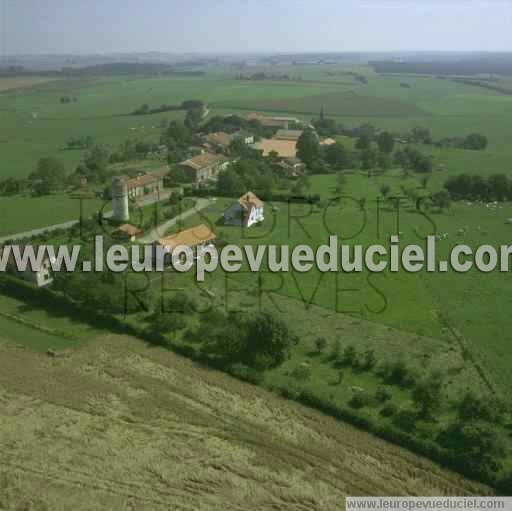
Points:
[102,26]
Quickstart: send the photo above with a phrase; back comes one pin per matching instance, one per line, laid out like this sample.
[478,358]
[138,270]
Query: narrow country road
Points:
[70,223]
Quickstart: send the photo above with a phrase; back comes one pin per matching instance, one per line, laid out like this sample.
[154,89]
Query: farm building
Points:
[144,184]
[128,232]
[273,122]
[204,167]
[39,275]
[196,238]
[293,135]
[219,140]
[248,211]
[160,173]
[246,137]
[328,142]
[283,148]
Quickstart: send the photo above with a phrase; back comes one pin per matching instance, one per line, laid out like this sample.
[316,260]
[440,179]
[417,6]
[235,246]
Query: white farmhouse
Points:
[38,274]
[247,211]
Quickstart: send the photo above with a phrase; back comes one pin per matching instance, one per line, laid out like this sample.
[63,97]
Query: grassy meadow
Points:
[475,304]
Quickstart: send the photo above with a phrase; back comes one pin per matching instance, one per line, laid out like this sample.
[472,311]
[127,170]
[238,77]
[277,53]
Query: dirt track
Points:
[120,426]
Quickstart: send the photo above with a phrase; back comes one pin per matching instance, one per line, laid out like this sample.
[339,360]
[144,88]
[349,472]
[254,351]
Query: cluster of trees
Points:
[13,186]
[472,440]
[474,187]
[132,149]
[64,100]
[260,341]
[234,123]
[412,158]
[474,142]
[418,135]
[94,164]
[49,175]
[191,104]
[372,151]
[247,174]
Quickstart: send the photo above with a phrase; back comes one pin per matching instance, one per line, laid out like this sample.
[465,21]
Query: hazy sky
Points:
[102,26]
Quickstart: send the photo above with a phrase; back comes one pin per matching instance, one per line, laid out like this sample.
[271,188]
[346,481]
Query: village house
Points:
[248,211]
[273,122]
[283,148]
[161,173]
[128,232]
[219,140]
[39,275]
[144,184]
[204,167]
[196,238]
[246,137]
[292,135]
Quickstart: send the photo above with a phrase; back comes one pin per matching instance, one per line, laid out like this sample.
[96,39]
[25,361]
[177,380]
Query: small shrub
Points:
[320,344]
[368,360]
[396,372]
[405,420]
[301,373]
[349,356]
[245,373]
[389,410]
[382,394]
[336,350]
[359,400]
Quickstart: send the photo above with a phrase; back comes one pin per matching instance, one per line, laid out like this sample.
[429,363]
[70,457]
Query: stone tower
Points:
[120,200]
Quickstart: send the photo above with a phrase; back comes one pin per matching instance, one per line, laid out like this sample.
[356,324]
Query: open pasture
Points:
[33,122]
[476,305]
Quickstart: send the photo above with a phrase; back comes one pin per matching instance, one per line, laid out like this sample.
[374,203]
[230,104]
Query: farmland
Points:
[457,325]
[130,427]
[34,124]
[431,299]
[22,213]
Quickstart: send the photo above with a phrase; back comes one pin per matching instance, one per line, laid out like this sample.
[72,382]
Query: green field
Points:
[39,329]
[23,213]
[346,103]
[34,124]
[475,304]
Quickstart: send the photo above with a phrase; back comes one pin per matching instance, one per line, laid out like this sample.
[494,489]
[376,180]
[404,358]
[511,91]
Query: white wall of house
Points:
[236,215]
[40,278]
[255,216]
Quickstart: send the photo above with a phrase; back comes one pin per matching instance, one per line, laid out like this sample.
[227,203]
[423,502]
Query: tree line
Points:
[475,187]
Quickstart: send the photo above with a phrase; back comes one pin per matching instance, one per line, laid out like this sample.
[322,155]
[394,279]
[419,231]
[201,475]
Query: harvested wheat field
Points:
[120,426]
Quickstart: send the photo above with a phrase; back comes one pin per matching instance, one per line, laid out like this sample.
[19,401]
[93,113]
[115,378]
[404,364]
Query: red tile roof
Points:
[249,199]
[190,237]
